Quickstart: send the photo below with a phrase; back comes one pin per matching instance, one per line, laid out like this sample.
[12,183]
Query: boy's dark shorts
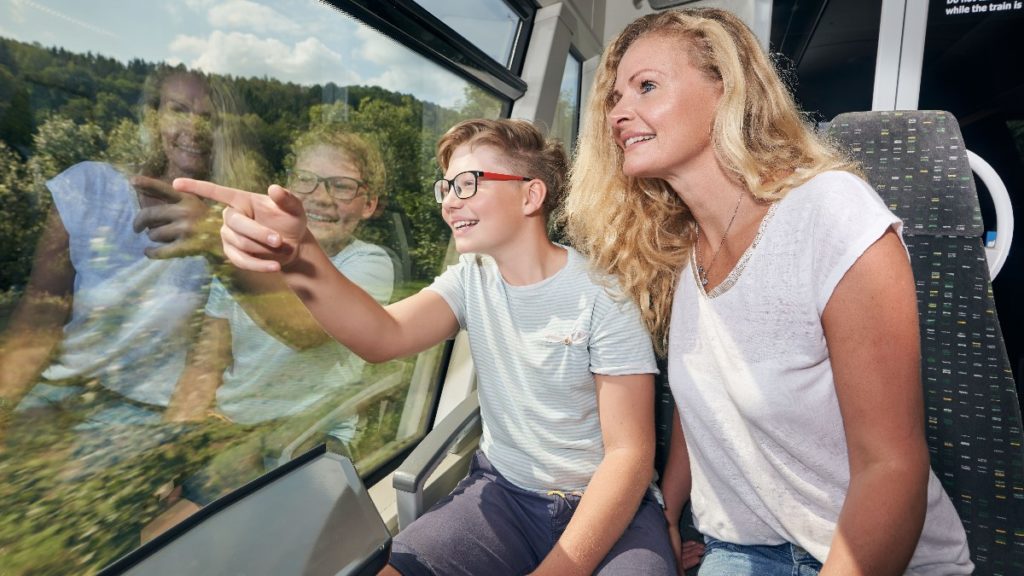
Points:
[489,526]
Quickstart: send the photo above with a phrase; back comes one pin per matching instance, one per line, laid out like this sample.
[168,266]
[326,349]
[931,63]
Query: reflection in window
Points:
[489,24]
[136,383]
[567,110]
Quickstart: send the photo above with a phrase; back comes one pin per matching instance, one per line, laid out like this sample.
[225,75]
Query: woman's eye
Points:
[646,86]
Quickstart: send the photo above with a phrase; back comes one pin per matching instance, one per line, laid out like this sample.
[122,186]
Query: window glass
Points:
[827,52]
[567,110]
[139,381]
[489,24]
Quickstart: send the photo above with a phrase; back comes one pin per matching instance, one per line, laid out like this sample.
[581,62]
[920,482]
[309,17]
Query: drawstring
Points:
[565,497]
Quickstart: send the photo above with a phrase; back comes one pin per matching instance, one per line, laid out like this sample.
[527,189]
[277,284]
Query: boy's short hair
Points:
[528,152]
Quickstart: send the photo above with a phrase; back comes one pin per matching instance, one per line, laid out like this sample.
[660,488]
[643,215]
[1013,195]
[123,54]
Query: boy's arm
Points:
[626,408]
[197,387]
[272,305]
[374,332]
[267,233]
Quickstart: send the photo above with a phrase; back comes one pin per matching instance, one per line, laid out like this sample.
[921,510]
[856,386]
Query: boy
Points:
[565,372]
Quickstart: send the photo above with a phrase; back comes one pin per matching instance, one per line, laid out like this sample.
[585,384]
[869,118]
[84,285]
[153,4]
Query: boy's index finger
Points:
[237,199]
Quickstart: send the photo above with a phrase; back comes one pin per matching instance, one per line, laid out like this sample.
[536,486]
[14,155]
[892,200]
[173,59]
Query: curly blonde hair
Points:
[528,151]
[638,229]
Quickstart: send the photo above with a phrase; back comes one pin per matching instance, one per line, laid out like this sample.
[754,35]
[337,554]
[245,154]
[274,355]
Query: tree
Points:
[21,221]
[59,144]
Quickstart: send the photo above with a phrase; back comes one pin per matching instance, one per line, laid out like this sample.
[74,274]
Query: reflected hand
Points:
[183,222]
[261,233]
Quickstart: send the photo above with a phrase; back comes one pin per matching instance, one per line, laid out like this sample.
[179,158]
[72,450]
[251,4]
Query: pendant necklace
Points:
[702,272]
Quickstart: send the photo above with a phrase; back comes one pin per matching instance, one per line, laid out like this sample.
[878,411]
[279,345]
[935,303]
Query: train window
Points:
[828,52]
[567,109]
[139,380]
[491,25]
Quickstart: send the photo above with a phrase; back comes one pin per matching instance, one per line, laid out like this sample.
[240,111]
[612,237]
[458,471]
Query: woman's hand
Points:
[185,224]
[261,233]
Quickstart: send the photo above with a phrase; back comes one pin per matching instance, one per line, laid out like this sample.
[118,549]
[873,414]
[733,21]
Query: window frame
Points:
[414,27]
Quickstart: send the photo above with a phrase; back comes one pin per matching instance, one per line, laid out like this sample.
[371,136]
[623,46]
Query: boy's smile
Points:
[332,221]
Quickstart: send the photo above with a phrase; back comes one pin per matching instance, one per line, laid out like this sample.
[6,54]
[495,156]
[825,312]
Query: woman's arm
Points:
[204,369]
[267,233]
[35,328]
[871,327]
[626,408]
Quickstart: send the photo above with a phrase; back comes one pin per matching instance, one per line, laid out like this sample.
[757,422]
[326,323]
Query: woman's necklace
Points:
[702,272]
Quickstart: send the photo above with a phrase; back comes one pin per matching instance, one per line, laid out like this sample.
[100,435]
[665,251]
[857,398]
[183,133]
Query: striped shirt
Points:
[536,350]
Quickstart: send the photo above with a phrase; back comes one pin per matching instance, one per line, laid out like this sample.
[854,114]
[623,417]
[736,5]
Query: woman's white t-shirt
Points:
[750,371]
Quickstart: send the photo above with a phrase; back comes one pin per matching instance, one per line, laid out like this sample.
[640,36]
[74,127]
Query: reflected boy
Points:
[261,360]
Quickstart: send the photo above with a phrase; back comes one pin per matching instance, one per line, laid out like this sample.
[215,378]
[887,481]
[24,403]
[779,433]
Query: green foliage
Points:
[124,147]
[59,144]
[21,222]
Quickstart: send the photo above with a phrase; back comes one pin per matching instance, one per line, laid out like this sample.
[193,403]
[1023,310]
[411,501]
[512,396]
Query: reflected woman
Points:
[100,313]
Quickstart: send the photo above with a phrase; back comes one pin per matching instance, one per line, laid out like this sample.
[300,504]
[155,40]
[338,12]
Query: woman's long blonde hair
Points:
[638,229]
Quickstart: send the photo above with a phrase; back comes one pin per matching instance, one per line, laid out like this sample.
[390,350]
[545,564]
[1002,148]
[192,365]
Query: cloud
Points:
[306,62]
[399,69]
[250,16]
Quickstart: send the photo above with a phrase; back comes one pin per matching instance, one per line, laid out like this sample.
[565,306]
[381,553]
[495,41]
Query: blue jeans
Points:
[725,559]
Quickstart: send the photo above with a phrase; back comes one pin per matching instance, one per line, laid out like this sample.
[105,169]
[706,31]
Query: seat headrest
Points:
[917,162]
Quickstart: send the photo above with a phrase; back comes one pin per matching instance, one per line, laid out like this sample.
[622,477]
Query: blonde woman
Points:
[776,282]
[99,307]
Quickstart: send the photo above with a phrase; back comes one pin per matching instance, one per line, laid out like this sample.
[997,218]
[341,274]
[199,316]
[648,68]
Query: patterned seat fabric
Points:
[917,162]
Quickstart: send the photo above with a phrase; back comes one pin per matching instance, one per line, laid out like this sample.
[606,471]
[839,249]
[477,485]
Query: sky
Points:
[301,41]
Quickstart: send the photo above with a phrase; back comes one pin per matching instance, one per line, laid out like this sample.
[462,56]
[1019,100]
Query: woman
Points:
[778,285]
[100,310]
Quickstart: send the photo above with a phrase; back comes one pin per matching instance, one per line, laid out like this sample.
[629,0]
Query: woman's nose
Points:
[620,112]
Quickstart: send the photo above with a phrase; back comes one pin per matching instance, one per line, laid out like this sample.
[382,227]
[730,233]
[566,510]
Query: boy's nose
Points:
[450,200]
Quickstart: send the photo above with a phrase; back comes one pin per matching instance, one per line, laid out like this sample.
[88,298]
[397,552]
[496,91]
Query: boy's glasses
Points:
[340,188]
[464,183]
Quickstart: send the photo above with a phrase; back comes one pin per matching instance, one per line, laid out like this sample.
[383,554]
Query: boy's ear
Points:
[533,201]
[370,208]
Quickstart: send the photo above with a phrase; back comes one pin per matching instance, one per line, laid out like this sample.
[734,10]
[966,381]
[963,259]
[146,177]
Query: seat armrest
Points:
[412,474]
